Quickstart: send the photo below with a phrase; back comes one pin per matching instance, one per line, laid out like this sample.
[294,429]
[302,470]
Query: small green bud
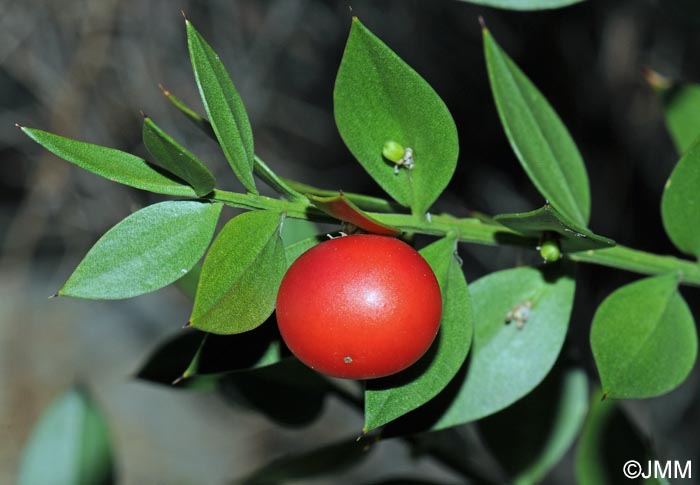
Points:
[393,151]
[550,252]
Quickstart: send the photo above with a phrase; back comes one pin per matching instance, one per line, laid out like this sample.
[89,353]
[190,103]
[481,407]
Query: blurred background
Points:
[84,70]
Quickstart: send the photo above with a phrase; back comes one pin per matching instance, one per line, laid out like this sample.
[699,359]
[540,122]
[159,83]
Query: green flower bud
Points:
[393,151]
[550,252]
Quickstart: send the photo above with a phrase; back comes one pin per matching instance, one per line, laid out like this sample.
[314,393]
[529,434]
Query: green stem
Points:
[629,259]
[261,169]
[362,201]
[472,230]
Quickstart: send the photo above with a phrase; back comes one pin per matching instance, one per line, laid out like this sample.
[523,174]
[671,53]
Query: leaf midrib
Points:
[531,116]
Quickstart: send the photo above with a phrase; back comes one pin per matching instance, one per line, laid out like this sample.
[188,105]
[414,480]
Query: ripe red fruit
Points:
[359,307]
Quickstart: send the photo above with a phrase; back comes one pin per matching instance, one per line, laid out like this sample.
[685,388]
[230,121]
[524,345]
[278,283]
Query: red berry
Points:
[359,307]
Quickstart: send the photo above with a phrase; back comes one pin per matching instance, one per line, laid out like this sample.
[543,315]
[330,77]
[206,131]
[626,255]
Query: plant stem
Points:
[472,230]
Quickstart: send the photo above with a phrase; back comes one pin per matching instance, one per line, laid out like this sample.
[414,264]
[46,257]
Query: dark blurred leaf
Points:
[609,440]
[680,204]
[170,359]
[329,459]
[111,164]
[525,4]
[241,274]
[391,397]
[69,445]
[530,437]
[192,354]
[377,98]
[146,251]
[681,103]
[224,107]
[643,339]
[177,159]
[507,362]
[538,137]
[344,210]
[288,392]
[573,238]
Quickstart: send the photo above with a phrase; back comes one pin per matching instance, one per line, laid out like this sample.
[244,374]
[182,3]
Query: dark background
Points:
[84,70]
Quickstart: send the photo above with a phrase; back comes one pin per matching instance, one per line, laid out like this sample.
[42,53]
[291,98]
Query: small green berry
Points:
[550,252]
[393,151]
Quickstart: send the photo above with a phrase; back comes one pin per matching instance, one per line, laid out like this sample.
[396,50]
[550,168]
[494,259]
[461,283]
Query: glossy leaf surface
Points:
[538,137]
[224,107]
[377,98]
[391,397]
[109,163]
[507,362]
[572,238]
[177,159]
[643,339]
[241,274]
[146,251]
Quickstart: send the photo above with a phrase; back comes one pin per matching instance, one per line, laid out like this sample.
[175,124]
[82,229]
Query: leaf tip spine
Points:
[184,16]
[187,325]
[604,396]
[164,90]
[178,380]
[55,295]
[482,22]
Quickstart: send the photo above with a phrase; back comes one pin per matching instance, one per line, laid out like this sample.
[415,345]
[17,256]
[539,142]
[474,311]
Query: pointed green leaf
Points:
[681,103]
[546,219]
[538,137]
[287,392]
[146,251]
[224,107]
[192,355]
[643,339]
[177,159]
[680,203]
[109,163]
[241,275]
[69,444]
[325,460]
[260,168]
[507,362]
[525,4]
[343,209]
[198,120]
[378,98]
[391,397]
